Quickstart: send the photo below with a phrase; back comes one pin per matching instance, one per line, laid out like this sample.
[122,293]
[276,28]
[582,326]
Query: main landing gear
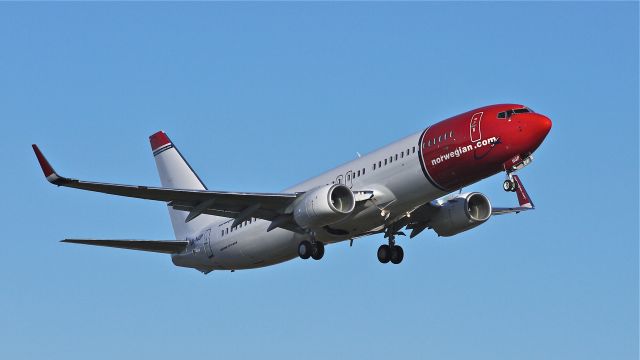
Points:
[391,252]
[307,249]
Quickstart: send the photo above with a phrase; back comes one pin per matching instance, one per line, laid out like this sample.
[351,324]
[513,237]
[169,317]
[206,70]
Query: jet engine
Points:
[461,213]
[323,205]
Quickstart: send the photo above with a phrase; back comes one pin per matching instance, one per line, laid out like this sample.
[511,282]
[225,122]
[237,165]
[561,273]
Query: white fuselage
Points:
[399,186]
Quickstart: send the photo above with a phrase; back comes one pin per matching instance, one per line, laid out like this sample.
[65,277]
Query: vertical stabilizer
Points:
[175,172]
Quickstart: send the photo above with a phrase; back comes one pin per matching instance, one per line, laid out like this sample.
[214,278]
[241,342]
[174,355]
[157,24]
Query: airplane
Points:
[414,184]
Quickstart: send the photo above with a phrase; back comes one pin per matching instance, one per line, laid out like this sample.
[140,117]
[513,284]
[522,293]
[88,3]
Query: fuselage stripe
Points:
[422,162]
[162,149]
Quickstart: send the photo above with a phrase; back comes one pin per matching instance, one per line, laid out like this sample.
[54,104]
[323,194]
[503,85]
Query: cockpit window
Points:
[508,113]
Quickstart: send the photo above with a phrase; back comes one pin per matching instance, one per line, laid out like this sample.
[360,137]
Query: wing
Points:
[275,207]
[421,216]
[523,199]
[158,246]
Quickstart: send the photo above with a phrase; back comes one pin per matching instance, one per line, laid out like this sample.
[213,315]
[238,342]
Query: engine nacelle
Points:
[324,205]
[461,213]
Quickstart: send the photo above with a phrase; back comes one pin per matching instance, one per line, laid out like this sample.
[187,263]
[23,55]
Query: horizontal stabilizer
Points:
[159,246]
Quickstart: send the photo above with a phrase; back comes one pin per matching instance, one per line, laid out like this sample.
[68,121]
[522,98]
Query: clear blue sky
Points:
[261,96]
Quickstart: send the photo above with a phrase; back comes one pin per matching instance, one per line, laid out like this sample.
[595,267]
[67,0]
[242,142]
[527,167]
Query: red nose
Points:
[538,126]
[545,124]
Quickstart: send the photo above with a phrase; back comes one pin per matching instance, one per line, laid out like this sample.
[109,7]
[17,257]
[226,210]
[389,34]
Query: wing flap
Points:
[158,246]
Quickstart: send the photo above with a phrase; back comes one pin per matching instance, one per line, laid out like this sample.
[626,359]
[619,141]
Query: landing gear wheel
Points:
[509,185]
[318,251]
[305,249]
[397,254]
[384,254]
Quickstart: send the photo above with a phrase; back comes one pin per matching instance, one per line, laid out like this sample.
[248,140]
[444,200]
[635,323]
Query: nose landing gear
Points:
[513,165]
[509,185]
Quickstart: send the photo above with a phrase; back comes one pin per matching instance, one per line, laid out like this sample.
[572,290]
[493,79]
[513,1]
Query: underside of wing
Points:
[158,246]
[509,210]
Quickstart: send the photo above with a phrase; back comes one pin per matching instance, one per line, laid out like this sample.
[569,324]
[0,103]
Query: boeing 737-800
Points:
[403,185]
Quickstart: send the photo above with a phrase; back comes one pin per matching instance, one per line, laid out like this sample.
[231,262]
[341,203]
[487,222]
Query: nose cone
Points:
[545,124]
[539,126]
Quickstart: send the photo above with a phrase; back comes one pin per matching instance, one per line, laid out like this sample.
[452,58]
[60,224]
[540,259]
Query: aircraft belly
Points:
[255,248]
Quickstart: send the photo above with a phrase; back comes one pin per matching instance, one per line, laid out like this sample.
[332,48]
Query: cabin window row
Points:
[393,158]
[438,139]
[351,175]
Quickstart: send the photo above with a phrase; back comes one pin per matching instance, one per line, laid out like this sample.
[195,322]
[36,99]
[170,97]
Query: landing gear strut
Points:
[391,252]
[307,249]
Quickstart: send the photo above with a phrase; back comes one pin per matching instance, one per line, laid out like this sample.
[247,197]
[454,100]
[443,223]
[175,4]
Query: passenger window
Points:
[396,156]
[379,163]
[374,166]
[402,154]
[439,138]
[444,137]
[363,171]
[451,133]
[407,152]
[385,161]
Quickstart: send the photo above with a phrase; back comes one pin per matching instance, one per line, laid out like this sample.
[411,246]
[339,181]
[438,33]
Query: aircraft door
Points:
[349,178]
[206,241]
[474,127]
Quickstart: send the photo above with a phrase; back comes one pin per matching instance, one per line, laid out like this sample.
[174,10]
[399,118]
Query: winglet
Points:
[523,198]
[47,169]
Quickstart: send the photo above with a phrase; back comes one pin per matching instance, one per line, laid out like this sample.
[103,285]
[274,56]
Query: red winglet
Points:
[159,140]
[44,164]
[523,197]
